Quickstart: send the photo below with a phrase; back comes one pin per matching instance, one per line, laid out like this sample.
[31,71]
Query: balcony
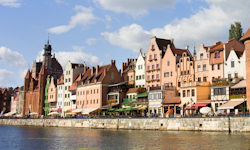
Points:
[189,84]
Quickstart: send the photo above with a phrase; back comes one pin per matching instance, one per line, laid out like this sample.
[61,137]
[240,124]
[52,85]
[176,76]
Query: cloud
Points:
[83,17]
[131,37]
[75,56]
[5,76]
[90,41]
[10,3]
[206,26]
[134,7]
[12,58]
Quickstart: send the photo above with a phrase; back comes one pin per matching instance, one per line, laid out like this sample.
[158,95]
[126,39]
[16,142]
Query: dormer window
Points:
[153,46]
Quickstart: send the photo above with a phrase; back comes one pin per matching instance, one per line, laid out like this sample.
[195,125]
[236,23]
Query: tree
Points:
[235,31]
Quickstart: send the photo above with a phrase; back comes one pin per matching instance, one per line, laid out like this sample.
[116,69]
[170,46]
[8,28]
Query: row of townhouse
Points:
[174,78]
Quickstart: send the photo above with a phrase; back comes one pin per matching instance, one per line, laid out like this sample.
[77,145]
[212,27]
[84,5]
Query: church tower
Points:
[47,55]
[246,40]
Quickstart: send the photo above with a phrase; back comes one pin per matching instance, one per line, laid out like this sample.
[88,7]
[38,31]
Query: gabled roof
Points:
[132,90]
[163,44]
[235,45]
[217,46]
[88,77]
[60,80]
[246,36]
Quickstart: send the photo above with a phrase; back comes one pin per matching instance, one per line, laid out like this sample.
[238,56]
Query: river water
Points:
[42,138]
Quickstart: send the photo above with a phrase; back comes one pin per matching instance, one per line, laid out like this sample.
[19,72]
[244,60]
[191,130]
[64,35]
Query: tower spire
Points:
[194,50]
[48,39]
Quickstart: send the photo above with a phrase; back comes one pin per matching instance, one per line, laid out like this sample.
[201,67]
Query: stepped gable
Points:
[246,36]
[216,46]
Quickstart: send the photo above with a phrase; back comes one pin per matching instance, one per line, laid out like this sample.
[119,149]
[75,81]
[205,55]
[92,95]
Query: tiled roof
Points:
[178,51]
[235,45]
[217,46]
[132,90]
[246,35]
[73,87]
[171,100]
[61,80]
[88,77]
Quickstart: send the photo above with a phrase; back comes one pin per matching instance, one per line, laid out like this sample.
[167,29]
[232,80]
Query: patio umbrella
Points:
[53,113]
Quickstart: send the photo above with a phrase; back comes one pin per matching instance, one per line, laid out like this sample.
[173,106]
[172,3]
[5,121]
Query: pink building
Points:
[92,88]
[202,65]
[153,61]
[185,69]
[52,94]
[216,60]
[169,66]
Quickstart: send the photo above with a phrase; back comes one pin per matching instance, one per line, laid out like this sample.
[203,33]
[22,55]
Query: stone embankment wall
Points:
[232,124]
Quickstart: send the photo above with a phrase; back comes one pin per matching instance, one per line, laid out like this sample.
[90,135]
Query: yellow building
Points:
[194,95]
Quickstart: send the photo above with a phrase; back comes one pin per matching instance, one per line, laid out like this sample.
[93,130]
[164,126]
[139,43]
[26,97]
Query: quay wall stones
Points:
[226,124]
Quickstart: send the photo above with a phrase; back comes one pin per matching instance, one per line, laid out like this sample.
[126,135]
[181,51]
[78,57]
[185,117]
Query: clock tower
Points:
[47,55]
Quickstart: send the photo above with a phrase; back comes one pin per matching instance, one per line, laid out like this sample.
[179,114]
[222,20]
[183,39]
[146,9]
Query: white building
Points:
[140,71]
[60,94]
[71,72]
[235,65]
[155,97]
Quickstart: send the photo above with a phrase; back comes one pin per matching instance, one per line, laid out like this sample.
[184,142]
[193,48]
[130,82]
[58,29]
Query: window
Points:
[232,64]
[157,76]
[136,77]
[153,77]
[131,78]
[153,67]
[199,79]
[235,74]
[65,80]
[153,46]
[204,67]
[218,66]
[166,84]
[193,92]
[166,74]
[205,79]
[142,76]
[229,76]
[148,67]
[201,56]
[155,56]
[188,93]
[69,79]
[184,93]
[219,91]
[168,63]
[157,66]
[217,55]
[179,84]
[212,66]
[148,77]
[150,57]
[199,68]
[171,73]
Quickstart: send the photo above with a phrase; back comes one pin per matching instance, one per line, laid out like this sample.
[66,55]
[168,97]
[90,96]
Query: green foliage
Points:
[235,31]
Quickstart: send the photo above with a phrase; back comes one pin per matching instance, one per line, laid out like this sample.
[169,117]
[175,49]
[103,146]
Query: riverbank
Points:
[224,124]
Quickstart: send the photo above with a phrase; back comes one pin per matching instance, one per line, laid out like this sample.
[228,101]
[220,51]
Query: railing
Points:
[188,84]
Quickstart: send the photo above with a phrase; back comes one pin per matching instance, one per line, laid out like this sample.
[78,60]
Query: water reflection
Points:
[34,138]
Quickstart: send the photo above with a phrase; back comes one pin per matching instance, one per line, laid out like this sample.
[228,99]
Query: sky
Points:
[96,31]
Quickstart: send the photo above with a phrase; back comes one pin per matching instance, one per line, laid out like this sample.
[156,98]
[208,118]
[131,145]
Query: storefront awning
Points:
[182,104]
[231,104]
[144,94]
[200,104]
[86,111]
[77,110]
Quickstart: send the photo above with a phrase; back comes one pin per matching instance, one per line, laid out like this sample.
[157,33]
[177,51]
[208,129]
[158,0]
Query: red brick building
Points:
[35,82]
[246,40]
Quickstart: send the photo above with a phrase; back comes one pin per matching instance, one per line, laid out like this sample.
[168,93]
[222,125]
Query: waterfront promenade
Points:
[225,124]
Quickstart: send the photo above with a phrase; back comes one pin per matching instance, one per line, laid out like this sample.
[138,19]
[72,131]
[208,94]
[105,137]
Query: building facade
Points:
[128,71]
[140,71]
[71,72]
[52,95]
[246,40]
[202,65]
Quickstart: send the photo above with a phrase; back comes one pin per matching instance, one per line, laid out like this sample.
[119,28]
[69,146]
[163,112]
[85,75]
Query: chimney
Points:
[92,70]
[97,69]
[104,72]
